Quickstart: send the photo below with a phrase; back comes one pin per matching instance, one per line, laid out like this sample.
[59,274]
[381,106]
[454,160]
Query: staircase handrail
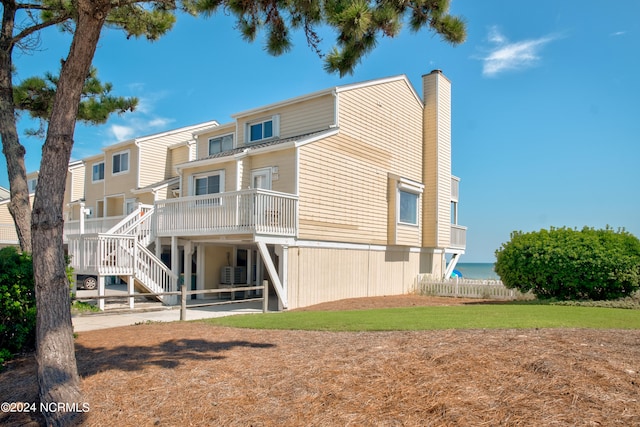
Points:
[126,224]
[153,273]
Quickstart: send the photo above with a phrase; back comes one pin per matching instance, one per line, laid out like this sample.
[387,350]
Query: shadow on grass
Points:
[168,354]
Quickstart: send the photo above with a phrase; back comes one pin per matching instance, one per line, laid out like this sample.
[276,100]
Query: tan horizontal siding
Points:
[296,119]
[318,275]
[177,156]
[344,179]
[285,161]
[342,196]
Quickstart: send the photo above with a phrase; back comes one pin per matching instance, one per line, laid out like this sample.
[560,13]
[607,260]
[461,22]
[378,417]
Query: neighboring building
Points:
[74,190]
[4,193]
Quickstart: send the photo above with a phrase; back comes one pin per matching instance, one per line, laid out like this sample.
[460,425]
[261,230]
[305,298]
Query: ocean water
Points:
[477,270]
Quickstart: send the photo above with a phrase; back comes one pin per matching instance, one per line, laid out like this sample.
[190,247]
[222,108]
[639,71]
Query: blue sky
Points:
[545,121]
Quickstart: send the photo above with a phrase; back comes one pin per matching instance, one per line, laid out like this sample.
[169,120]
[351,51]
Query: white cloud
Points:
[507,56]
[122,133]
[618,33]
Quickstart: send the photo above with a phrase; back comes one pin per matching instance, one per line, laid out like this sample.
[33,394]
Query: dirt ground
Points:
[193,374]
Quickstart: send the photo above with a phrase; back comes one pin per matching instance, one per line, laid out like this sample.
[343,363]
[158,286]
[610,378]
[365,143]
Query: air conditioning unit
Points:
[232,275]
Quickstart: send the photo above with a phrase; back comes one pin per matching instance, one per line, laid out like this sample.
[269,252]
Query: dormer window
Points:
[220,144]
[263,129]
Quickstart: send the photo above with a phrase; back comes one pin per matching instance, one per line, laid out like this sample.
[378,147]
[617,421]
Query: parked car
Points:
[85,281]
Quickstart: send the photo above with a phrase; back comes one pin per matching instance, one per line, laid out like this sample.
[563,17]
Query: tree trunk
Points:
[13,151]
[57,370]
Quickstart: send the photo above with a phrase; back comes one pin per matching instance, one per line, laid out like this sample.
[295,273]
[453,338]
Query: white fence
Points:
[466,288]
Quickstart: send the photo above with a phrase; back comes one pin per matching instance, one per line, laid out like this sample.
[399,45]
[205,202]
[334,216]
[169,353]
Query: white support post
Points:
[175,267]
[273,273]
[101,292]
[130,290]
[283,265]
[200,270]
[188,254]
[82,217]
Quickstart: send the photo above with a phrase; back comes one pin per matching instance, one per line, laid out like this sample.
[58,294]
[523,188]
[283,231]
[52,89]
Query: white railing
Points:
[455,188]
[246,211]
[466,288]
[102,254]
[127,225]
[458,236]
[8,234]
[137,223]
[120,255]
[91,225]
[151,272]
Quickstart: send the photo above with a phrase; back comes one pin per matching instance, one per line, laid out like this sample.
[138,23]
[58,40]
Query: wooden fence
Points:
[466,288]
[184,294]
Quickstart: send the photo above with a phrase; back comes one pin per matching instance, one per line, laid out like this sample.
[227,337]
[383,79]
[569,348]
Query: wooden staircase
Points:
[122,251]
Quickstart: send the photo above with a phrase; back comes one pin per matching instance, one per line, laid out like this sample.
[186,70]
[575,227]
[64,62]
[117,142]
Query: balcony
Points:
[91,225]
[458,237]
[455,188]
[253,211]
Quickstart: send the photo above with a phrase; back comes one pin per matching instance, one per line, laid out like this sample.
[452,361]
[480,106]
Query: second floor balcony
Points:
[254,211]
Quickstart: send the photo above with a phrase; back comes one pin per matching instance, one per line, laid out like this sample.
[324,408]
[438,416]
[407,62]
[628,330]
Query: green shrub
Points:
[569,264]
[17,303]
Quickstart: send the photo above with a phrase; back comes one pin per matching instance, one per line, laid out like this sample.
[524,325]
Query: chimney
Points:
[436,161]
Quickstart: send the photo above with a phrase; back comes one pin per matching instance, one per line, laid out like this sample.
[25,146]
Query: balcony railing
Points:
[458,236]
[455,188]
[92,225]
[239,212]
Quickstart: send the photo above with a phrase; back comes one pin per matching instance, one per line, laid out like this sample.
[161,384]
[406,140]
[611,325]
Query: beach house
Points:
[341,193]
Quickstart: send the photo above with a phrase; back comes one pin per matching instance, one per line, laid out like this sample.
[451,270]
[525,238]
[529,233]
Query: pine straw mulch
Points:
[196,374]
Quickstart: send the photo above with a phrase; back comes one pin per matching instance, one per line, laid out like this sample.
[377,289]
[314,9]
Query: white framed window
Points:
[120,163]
[32,184]
[209,183]
[408,204]
[263,129]
[220,144]
[97,172]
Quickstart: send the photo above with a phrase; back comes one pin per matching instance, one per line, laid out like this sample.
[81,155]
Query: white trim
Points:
[304,141]
[361,246]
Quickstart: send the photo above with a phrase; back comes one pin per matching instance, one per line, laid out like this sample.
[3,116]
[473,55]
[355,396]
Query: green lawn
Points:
[489,316]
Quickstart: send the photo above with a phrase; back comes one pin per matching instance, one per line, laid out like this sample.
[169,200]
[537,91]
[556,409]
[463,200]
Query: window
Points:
[32,184]
[207,185]
[407,200]
[97,172]
[120,162]
[211,183]
[408,210]
[264,129]
[220,143]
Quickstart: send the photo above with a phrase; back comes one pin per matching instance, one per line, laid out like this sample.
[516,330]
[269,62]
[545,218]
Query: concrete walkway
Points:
[155,312]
